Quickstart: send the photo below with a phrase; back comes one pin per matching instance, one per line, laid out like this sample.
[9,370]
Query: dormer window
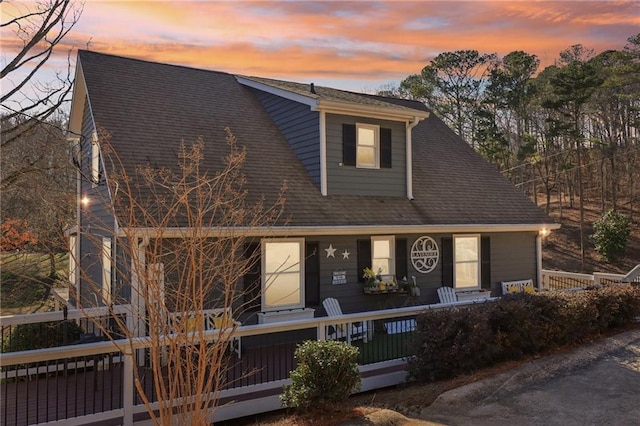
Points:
[366,146]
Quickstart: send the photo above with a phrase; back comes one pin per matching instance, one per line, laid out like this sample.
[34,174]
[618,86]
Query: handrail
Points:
[127,346]
[632,275]
[72,314]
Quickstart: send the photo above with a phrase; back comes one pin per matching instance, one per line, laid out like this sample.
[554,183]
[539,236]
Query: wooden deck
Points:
[84,390]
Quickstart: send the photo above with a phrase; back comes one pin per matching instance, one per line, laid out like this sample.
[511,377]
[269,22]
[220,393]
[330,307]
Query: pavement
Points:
[595,384]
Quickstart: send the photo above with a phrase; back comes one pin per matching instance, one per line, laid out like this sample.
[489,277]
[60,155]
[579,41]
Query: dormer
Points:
[349,143]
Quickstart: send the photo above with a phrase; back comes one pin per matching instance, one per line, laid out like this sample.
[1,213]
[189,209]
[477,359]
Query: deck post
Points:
[128,387]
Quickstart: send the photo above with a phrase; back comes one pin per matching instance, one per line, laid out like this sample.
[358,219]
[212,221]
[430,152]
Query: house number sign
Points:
[424,254]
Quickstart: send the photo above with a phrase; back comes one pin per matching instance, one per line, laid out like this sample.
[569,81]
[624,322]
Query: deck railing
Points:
[559,280]
[86,383]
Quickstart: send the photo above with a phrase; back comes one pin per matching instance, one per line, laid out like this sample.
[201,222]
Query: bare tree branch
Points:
[25,102]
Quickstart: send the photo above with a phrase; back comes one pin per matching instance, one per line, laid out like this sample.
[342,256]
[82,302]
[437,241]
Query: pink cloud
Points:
[368,41]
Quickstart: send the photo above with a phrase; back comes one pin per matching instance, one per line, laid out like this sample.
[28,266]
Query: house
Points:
[371,182]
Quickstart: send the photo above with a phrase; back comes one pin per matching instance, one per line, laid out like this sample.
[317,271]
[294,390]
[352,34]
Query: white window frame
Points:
[376,145]
[95,160]
[73,266]
[269,278]
[477,261]
[392,253]
[107,265]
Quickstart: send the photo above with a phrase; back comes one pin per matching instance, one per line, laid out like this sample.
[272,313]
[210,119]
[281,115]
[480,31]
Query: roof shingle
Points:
[150,109]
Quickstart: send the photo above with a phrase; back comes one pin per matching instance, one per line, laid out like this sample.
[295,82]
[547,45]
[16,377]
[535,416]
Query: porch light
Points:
[84,201]
[544,232]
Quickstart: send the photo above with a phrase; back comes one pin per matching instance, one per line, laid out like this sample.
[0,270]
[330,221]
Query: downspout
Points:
[409,125]
[323,153]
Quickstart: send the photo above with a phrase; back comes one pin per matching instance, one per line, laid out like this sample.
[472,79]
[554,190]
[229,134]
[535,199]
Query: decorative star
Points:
[331,252]
[345,255]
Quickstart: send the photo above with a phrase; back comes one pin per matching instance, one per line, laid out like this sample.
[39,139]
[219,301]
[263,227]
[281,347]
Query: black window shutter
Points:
[349,144]
[447,262]
[312,274]
[485,263]
[364,257]
[385,148]
[251,280]
[401,258]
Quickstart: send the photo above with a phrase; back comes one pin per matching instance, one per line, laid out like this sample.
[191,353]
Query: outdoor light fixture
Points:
[544,232]
[84,201]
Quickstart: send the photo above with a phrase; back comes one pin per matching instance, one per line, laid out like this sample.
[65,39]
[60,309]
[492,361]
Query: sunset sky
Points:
[354,45]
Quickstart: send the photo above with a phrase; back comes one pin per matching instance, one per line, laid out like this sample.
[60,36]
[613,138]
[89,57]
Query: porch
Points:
[92,383]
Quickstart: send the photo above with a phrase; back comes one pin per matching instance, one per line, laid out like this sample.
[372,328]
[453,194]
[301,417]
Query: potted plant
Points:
[372,279]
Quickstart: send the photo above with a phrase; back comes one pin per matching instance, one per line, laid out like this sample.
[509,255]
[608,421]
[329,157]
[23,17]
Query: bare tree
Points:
[39,28]
[187,262]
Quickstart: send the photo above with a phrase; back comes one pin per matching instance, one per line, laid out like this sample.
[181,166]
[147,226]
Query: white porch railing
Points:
[559,280]
[90,368]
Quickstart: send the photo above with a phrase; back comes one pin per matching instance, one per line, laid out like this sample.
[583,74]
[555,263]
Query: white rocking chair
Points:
[349,330]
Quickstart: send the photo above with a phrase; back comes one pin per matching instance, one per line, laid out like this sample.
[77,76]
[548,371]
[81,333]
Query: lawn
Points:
[25,283]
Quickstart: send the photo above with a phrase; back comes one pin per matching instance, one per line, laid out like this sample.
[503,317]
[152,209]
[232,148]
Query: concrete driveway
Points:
[596,384]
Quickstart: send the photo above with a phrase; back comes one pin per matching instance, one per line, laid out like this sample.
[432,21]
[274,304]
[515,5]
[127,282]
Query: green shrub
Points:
[449,342]
[41,335]
[327,373]
[610,235]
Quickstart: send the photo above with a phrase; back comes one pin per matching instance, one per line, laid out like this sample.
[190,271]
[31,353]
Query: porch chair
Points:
[447,295]
[520,286]
[351,330]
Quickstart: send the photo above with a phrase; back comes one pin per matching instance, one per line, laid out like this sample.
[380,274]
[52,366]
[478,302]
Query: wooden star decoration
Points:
[345,255]
[331,252]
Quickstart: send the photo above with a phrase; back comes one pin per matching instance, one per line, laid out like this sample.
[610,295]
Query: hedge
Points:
[450,342]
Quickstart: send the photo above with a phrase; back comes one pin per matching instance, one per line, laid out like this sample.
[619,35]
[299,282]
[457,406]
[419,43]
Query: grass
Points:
[25,283]
[384,347]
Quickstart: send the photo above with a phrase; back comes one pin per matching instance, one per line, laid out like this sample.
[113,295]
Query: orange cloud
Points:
[368,41]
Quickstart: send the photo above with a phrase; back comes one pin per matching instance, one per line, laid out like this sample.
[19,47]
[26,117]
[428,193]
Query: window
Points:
[106,270]
[73,265]
[95,160]
[466,261]
[366,146]
[382,254]
[283,274]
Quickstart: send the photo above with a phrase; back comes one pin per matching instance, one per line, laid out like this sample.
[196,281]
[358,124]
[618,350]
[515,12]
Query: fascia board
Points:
[344,108]
[282,231]
[79,98]
[382,113]
[310,101]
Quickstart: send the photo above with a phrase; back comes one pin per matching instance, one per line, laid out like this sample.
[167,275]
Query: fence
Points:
[559,280]
[93,382]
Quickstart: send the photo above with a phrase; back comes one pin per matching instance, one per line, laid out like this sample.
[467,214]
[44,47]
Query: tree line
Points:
[563,133]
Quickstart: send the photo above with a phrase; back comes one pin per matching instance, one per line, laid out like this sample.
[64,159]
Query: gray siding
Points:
[300,127]
[513,256]
[96,221]
[349,180]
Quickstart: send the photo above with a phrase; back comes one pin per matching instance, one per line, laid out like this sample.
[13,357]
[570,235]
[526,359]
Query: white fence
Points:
[387,371]
[559,280]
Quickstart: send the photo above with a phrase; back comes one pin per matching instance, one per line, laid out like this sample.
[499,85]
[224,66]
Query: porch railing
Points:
[87,383]
[559,280]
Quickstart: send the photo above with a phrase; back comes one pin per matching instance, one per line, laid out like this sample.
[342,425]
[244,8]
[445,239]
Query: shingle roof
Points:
[150,108]
[336,95]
